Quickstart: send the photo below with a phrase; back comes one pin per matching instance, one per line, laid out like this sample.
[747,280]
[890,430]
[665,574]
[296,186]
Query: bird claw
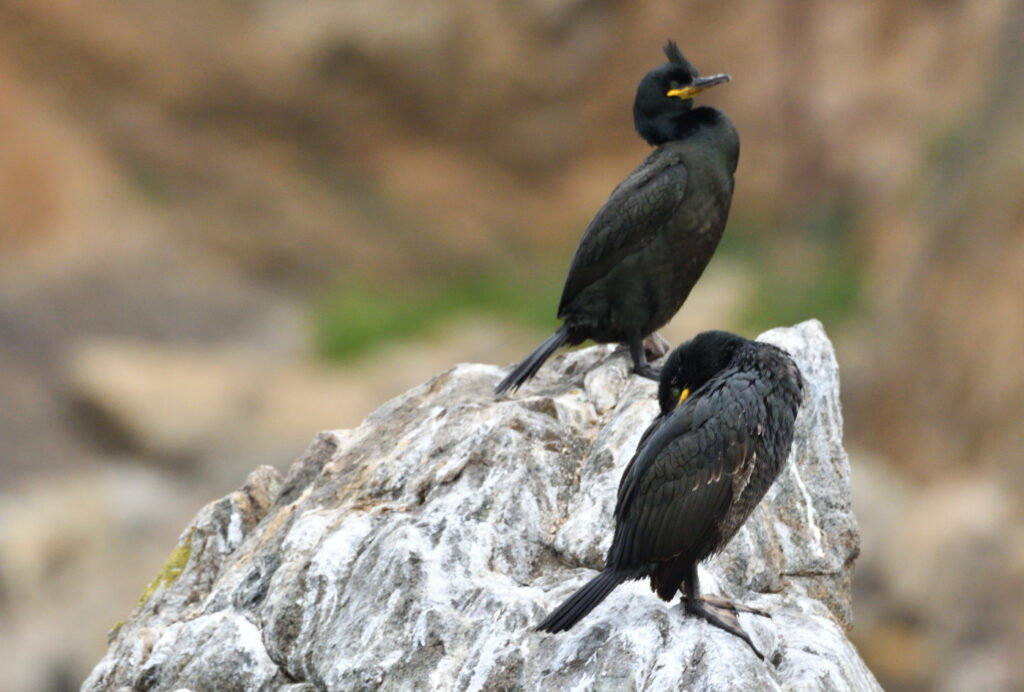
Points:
[640,365]
[649,371]
[722,614]
[656,346]
[719,602]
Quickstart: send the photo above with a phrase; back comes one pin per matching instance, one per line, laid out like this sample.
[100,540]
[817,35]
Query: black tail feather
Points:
[582,602]
[531,364]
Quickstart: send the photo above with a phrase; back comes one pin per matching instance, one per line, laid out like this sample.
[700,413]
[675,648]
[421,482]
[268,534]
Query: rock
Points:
[417,550]
[60,535]
[950,540]
[160,400]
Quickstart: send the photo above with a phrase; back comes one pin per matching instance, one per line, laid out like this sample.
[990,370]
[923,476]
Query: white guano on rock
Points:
[416,552]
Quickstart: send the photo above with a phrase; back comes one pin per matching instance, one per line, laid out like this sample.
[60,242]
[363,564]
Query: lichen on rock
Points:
[171,569]
[417,550]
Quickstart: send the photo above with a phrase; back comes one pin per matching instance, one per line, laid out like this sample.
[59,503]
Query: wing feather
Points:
[680,483]
[632,217]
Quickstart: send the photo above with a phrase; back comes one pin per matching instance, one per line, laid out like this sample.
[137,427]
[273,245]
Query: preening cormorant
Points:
[728,407]
[652,239]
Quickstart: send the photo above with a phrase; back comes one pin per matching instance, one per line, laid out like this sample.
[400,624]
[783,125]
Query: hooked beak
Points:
[699,85]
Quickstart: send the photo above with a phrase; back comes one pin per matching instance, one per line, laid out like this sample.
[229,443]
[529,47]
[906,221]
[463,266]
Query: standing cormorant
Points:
[652,239]
[728,407]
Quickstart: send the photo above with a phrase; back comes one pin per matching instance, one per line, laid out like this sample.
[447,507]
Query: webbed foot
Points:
[656,346]
[648,371]
[640,365]
[720,602]
[722,613]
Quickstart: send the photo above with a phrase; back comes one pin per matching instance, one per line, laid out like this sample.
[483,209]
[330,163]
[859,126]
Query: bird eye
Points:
[673,85]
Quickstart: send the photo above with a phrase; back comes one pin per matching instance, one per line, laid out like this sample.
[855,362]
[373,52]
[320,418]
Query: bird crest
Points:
[675,56]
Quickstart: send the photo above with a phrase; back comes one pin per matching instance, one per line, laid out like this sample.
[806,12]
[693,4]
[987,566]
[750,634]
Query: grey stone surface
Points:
[417,550]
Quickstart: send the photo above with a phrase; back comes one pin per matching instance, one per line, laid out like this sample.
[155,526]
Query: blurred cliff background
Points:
[227,225]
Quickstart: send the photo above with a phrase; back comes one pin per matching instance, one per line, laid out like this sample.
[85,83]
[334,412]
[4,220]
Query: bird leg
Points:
[640,365]
[717,611]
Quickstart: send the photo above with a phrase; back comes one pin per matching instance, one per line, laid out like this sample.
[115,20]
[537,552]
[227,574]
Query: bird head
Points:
[692,364]
[666,93]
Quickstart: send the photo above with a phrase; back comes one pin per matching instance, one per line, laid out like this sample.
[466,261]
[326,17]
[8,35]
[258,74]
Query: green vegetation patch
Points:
[829,292]
[812,269]
[358,314]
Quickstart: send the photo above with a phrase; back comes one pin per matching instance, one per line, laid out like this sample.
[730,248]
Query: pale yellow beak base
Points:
[699,85]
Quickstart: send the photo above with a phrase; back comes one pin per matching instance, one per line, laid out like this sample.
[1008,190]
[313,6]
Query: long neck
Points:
[664,126]
[670,126]
[721,129]
[713,125]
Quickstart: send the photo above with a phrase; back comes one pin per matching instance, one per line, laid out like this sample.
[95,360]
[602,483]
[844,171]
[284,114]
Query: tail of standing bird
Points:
[531,364]
[582,602]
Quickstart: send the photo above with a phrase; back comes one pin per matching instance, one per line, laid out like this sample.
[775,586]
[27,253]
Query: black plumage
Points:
[650,242]
[728,408]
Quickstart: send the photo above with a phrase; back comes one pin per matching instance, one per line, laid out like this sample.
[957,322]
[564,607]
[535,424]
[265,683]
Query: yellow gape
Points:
[699,85]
